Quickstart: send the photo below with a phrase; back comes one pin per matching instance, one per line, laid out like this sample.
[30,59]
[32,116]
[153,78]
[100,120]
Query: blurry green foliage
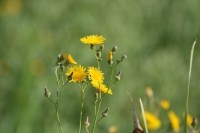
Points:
[155,35]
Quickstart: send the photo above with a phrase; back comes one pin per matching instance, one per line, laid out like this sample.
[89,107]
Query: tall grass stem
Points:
[188,90]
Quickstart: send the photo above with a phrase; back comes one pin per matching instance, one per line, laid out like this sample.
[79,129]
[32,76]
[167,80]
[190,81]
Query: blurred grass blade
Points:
[143,115]
[188,90]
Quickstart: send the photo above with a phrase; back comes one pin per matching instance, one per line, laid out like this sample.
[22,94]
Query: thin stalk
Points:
[95,120]
[188,90]
[57,98]
[81,111]
[57,114]
[97,59]
[100,119]
[143,115]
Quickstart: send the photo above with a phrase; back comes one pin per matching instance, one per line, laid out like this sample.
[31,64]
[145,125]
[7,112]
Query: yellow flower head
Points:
[79,73]
[95,74]
[174,120]
[189,119]
[110,55]
[70,59]
[93,39]
[165,104]
[152,121]
[102,87]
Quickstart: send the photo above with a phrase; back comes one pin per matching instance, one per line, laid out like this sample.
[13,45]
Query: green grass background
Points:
[156,36]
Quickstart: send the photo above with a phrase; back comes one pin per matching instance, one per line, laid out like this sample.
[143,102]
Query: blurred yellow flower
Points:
[189,119]
[102,87]
[149,92]
[79,73]
[95,74]
[10,7]
[110,55]
[164,104]
[93,39]
[153,122]
[174,120]
[112,129]
[70,59]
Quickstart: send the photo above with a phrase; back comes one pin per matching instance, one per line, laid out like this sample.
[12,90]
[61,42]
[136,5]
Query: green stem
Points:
[57,114]
[95,120]
[58,97]
[100,119]
[81,111]
[188,90]
[96,59]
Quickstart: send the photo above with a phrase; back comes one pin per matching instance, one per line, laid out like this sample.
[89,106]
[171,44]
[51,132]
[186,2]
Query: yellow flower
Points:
[152,121]
[149,92]
[78,71]
[112,129]
[95,74]
[70,59]
[189,119]
[110,55]
[174,120]
[93,39]
[165,104]
[102,87]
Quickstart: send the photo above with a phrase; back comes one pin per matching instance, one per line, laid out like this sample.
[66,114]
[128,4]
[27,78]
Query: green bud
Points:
[46,92]
[105,113]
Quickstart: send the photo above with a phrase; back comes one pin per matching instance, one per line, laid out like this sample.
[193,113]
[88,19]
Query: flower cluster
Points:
[86,77]
[161,107]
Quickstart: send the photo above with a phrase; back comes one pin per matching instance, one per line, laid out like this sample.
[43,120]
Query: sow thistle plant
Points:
[67,70]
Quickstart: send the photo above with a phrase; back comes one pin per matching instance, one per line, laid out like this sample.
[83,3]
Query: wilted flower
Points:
[87,124]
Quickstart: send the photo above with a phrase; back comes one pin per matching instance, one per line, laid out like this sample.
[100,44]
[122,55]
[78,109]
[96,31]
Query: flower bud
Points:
[118,76]
[105,113]
[110,55]
[110,62]
[149,92]
[101,47]
[114,49]
[194,122]
[123,57]
[99,59]
[46,92]
[61,58]
[92,46]
[87,124]
[98,54]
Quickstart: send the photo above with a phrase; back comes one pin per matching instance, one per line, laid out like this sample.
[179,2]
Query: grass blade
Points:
[188,90]
[143,115]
